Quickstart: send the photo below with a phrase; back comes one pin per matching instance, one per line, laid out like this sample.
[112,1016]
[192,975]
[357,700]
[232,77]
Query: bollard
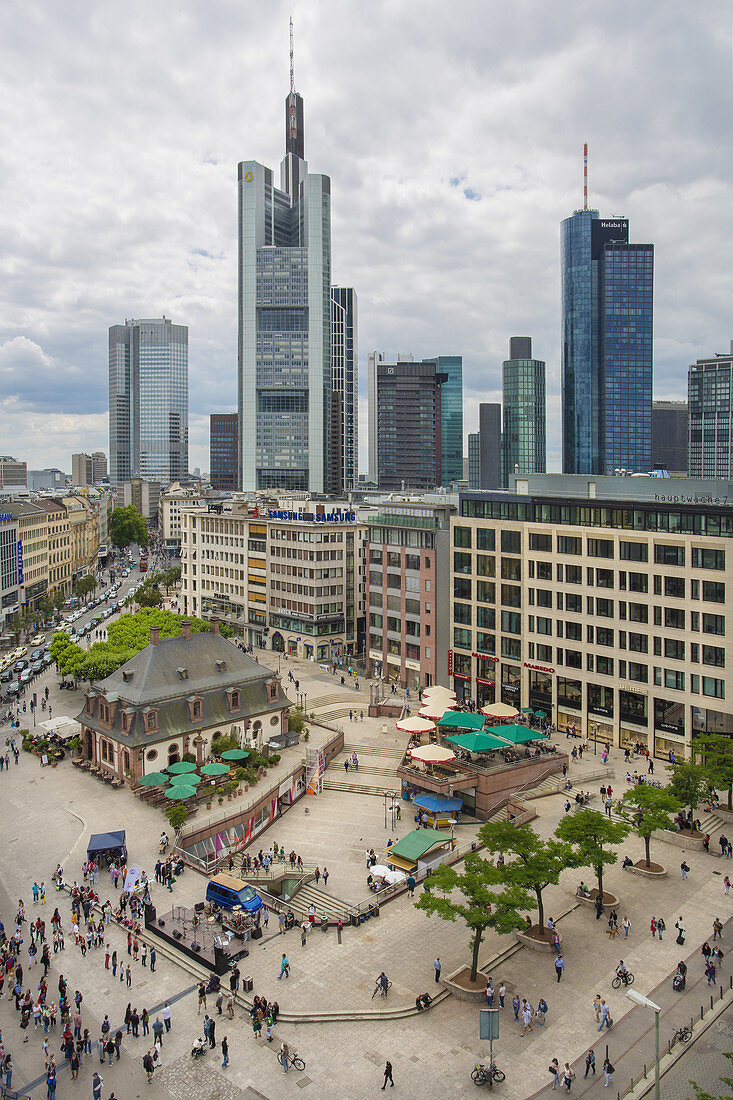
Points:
[711,1003]
[701,1012]
[645,1071]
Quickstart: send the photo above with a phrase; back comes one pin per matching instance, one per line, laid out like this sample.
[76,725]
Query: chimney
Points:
[154,635]
[214,626]
[186,630]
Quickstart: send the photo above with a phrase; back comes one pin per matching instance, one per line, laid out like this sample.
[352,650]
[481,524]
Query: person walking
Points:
[326,872]
[726,884]
[284,967]
[388,1076]
[166,1016]
[285,1054]
[202,998]
[661,926]
[541,1011]
[559,965]
[568,1076]
[555,1071]
[608,1072]
[97,1083]
[148,1066]
[225,1052]
[526,1016]
[502,995]
[437,968]
[153,959]
[626,927]
[516,1005]
[590,1063]
[158,1031]
[605,1016]
[717,929]
[679,925]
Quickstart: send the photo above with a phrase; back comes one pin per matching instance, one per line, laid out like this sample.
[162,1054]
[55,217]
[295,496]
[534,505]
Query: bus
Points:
[143,563]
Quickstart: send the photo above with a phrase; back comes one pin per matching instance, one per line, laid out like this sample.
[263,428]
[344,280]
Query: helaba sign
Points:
[318,517]
[620,224]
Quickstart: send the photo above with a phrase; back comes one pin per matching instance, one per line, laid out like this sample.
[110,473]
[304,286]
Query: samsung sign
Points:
[319,517]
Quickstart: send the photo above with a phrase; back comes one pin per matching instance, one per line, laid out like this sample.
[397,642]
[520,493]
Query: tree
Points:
[689,782]
[45,605]
[296,720]
[84,586]
[148,594]
[715,751]
[177,816]
[647,810]
[589,831]
[537,863]
[59,599]
[482,907]
[168,578]
[127,526]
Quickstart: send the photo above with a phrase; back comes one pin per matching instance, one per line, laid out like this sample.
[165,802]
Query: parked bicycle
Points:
[623,979]
[293,1059]
[684,1034]
[484,1075]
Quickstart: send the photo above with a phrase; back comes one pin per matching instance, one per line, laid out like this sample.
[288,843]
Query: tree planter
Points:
[459,984]
[691,841]
[610,901]
[654,870]
[534,938]
[724,815]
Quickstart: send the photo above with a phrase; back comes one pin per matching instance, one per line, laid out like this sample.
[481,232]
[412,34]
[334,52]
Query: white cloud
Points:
[122,128]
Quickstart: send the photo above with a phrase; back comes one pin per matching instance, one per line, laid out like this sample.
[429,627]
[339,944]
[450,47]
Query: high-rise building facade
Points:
[345,389]
[405,422]
[607,327]
[99,467]
[148,400]
[284,358]
[13,472]
[451,417]
[524,435]
[224,451]
[474,460]
[710,410]
[669,437]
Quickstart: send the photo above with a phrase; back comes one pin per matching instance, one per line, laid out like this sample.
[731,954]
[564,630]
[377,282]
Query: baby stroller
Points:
[199,1048]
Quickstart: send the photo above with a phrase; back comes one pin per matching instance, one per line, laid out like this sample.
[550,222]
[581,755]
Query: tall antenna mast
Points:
[585,147]
[293,65]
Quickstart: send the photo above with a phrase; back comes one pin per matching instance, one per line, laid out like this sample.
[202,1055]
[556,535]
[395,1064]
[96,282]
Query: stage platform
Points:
[199,937]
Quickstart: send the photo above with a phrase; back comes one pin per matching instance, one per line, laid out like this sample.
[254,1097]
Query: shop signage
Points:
[510,687]
[480,680]
[318,517]
[539,668]
[450,662]
[669,727]
[633,688]
[6,517]
[486,657]
[606,712]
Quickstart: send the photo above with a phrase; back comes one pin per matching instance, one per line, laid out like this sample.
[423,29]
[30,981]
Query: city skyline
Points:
[426,218]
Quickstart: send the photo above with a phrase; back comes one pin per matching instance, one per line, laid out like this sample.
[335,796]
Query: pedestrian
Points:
[590,1063]
[606,1020]
[97,1083]
[149,1066]
[608,1072]
[726,884]
[541,1011]
[684,869]
[680,931]
[502,995]
[717,929]
[661,926]
[598,903]
[225,1052]
[626,927]
[153,959]
[212,1032]
[516,1005]
[597,1006]
[388,1076]
[559,965]
[284,967]
[230,1006]
[202,998]
[554,1068]
[219,1002]
[526,1016]
[158,1032]
[325,872]
[437,968]
[128,976]
[568,1076]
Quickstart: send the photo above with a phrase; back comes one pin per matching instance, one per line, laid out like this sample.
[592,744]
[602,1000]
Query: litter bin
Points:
[354,920]
[247,984]
[324,924]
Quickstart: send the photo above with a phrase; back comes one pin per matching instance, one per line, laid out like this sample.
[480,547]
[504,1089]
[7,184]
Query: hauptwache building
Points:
[604,602]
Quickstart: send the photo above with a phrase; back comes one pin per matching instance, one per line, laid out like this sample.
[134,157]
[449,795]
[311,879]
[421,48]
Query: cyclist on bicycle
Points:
[622,972]
[383,983]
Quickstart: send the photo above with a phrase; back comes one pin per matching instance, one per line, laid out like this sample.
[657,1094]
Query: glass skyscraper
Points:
[345,389]
[148,401]
[607,329]
[523,384]
[284,358]
[451,416]
[710,412]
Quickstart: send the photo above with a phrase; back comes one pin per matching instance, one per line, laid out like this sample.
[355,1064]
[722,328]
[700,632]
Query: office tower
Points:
[406,422]
[81,469]
[223,451]
[99,467]
[451,417]
[607,316]
[148,401]
[284,359]
[375,358]
[13,472]
[474,460]
[345,389]
[669,437]
[523,384]
[710,410]
[489,456]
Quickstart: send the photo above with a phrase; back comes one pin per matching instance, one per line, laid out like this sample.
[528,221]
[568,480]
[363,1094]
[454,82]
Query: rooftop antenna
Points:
[585,147]
[293,65]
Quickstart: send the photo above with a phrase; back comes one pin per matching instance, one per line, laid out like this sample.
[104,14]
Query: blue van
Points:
[226,891]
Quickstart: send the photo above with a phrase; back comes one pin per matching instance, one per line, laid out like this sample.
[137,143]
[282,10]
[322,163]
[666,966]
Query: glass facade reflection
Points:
[607,330]
[523,435]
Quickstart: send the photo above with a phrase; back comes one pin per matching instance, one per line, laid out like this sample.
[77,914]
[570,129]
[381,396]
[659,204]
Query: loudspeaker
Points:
[200,906]
[257,933]
[195,945]
[161,924]
[177,935]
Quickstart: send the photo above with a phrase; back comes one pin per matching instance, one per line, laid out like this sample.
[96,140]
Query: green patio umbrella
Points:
[540,714]
[516,735]
[214,769]
[152,779]
[179,792]
[476,742]
[234,754]
[185,779]
[181,766]
[527,710]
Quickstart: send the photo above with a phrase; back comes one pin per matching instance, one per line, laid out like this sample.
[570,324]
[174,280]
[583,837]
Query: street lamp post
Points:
[640,999]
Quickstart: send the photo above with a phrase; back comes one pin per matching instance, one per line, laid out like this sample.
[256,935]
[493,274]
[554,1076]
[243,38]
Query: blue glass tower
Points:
[607,329]
[451,416]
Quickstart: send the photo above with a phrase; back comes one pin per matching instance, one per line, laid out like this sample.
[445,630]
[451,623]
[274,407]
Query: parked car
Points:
[38,640]
[26,676]
[37,666]
[20,665]
[13,687]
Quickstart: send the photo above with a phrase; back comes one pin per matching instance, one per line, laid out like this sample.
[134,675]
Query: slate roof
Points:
[165,676]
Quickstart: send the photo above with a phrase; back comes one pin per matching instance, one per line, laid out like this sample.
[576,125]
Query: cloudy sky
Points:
[452,133]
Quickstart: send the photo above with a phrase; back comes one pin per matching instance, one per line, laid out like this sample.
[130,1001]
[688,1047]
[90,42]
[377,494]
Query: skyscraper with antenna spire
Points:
[606,343]
[284,353]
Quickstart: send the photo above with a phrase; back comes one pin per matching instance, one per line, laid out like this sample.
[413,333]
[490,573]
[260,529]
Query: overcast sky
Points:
[453,136]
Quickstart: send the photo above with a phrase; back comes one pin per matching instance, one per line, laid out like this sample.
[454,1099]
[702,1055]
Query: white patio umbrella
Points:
[432,692]
[394,876]
[436,708]
[415,725]
[379,870]
[500,710]
[433,754]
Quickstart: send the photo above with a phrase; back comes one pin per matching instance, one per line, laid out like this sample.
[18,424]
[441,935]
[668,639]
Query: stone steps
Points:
[325,905]
[362,788]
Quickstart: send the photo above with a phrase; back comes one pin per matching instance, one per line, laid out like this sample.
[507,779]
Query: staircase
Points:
[389,786]
[324,904]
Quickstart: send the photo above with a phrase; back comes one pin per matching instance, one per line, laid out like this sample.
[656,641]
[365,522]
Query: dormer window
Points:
[127,676]
[234,699]
[272,691]
[104,712]
[90,704]
[182,673]
[196,708]
[125,720]
[150,721]
[221,666]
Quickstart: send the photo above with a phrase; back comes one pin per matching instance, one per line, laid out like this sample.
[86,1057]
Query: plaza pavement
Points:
[47,814]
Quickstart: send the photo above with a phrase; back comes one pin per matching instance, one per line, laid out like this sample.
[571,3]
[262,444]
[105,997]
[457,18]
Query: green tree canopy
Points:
[83,586]
[536,864]
[715,751]
[689,782]
[127,526]
[470,895]
[647,809]
[148,594]
[590,832]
